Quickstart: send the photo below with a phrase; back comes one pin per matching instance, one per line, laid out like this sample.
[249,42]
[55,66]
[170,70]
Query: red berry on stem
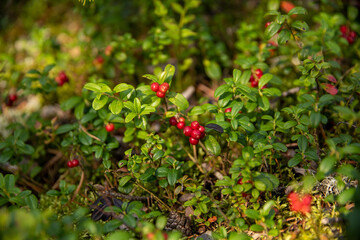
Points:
[344,29]
[251,78]
[267,24]
[196,134]
[75,162]
[173,121]
[12,97]
[154,86]
[258,73]
[180,125]
[228,110]
[110,127]
[202,129]
[240,181]
[181,119]
[70,164]
[187,131]
[164,87]
[254,84]
[195,125]
[160,94]
[193,141]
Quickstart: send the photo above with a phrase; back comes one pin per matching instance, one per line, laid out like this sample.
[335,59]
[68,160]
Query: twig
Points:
[153,195]
[89,134]
[79,186]
[194,151]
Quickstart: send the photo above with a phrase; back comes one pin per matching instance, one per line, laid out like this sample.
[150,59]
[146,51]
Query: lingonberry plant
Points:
[195,120]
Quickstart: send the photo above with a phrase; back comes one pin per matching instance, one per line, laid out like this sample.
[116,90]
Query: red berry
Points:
[203,134]
[70,164]
[344,29]
[173,121]
[164,87]
[12,97]
[160,94]
[187,131]
[254,84]
[180,125]
[202,129]
[75,162]
[195,125]
[267,24]
[154,86]
[193,141]
[251,78]
[351,37]
[228,110]
[110,127]
[181,119]
[265,86]
[61,78]
[258,73]
[99,60]
[165,235]
[196,134]
[240,181]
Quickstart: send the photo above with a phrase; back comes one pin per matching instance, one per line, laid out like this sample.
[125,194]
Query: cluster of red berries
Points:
[61,78]
[254,81]
[195,131]
[346,33]
[299,203]
[73,163]
[11,99]
[160,89]
[109,127]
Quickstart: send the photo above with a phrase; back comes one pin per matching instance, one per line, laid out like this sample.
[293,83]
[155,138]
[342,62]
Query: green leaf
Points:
[6,155]
[295,160]
[172,176]
[118,235]
[71,103]
[212,70]
[280,147]
[31,201]
[9,182]
[256,228]
[297,10]
[253,214]
[197,110]
[130,117]
[265,79]
[167,74]
[65,128]
[147,174]
[212,145]
[315,118]
[346,196]
[244,79]
[180,101]
[302,143]
[137,105]
[92,87]
[220,90]
[333,47]
[203,208]
[327,164]
[264,103]
[236,75]
[301,25]
[352,13]
[124,180]
[85,139]
[130,221]
[79,111]
[48,68]
[99,102]
[268,179]
[284,36]
[122,87]
[115,106]
[272,29]
[150,77]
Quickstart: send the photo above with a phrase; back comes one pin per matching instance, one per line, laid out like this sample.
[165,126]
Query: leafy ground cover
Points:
[170,119]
